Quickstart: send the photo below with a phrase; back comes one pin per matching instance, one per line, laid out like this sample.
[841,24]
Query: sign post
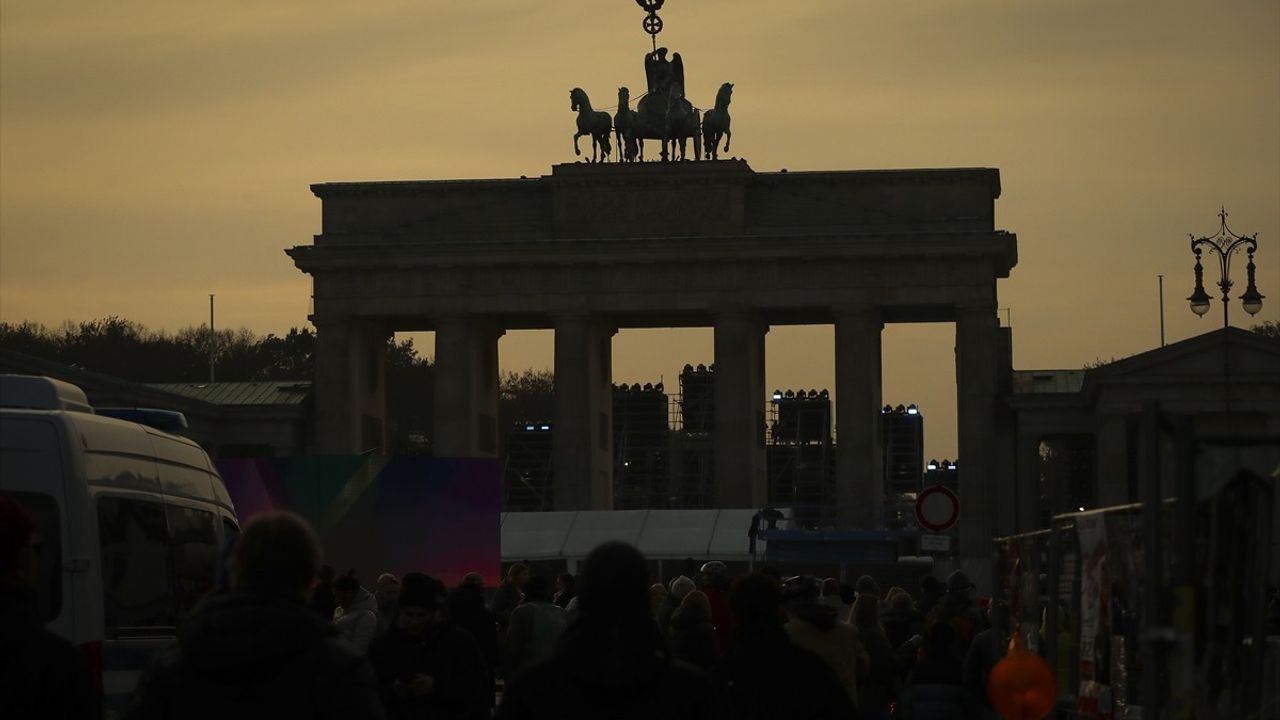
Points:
[937,510]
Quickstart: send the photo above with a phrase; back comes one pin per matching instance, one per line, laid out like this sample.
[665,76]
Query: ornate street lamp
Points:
[1225,244]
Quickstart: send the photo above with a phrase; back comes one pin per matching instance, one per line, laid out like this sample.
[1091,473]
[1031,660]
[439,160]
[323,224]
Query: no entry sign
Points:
[937,509]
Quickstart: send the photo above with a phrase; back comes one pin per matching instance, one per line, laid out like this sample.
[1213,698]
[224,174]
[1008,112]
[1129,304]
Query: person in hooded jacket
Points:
[356,617]
[815,626]
[259,650]
[428,668]
[690,635]
[611,661]
[763,675]
[41,674]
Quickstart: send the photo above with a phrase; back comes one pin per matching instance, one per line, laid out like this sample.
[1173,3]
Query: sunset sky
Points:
[154,152]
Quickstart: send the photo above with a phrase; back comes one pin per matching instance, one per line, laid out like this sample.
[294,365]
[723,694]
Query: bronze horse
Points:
[716,123]
[682,122]
[625,122]
[595,123]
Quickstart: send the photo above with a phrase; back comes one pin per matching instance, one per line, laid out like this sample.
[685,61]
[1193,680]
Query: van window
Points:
[194,548]
[137,570]
[47,544]
[230,533]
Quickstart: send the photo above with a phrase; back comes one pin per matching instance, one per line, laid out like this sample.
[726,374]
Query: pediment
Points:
[1198,357]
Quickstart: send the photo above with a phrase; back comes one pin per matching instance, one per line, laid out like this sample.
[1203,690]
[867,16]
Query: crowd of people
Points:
[289,638]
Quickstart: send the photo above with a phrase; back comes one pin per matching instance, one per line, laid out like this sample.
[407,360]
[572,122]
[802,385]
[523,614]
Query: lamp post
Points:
[1225,243]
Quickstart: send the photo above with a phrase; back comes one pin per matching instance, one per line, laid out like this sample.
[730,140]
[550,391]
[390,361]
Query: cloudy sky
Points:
[153,152]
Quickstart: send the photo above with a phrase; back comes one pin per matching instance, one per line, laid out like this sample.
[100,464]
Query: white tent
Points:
[659,534]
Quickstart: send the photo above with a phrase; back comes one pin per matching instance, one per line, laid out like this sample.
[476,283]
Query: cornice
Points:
[997,247]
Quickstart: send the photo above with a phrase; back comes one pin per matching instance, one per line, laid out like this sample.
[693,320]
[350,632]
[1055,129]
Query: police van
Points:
[132,522]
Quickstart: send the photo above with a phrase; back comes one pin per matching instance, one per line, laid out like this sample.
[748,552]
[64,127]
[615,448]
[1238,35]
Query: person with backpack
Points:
[935,689]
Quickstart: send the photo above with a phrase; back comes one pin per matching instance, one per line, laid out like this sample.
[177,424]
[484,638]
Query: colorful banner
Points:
[383,514]
[1094,699]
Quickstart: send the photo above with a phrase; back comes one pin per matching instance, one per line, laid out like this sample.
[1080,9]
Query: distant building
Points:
[228,419]
[1076,434]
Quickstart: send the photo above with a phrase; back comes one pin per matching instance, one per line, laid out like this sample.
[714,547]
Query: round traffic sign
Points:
[937,508]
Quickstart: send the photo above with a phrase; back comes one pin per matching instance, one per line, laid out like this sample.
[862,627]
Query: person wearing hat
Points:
[957,608]
[427,667]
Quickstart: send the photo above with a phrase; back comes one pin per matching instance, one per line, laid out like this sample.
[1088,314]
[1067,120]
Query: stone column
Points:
[582,431]
[1112,476]
[977,364]
[351,388]
[1028,483]
[738,434]
[859,450]
[466,402]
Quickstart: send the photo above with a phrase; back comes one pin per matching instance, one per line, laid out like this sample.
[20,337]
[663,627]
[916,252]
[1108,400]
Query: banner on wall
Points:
[1094,699]
[377,514]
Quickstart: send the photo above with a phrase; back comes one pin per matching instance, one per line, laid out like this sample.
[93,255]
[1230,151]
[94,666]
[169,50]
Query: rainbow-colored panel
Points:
[383,514]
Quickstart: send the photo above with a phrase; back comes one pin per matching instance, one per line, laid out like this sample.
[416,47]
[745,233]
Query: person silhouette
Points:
[612,660]
[41,674]
[259,650]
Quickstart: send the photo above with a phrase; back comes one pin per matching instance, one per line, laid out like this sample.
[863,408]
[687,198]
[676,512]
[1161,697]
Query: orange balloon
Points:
[1022,686]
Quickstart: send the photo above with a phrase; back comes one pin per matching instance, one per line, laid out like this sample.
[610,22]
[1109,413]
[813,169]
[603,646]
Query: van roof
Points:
[41,393]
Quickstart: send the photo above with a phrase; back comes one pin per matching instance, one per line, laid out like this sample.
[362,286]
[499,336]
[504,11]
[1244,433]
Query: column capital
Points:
[976,310]
[333,322]
[599,321]
[858,312]
[734,313]
[467,320]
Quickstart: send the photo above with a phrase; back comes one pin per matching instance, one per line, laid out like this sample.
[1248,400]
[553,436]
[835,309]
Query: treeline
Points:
[129,350]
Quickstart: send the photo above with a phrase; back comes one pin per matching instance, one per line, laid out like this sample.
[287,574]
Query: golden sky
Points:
[153,152]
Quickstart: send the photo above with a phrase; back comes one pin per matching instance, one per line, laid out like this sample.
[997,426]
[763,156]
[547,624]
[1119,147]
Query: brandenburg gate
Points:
[591,248]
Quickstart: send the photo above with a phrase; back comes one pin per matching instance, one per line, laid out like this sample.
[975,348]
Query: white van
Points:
[132,521]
